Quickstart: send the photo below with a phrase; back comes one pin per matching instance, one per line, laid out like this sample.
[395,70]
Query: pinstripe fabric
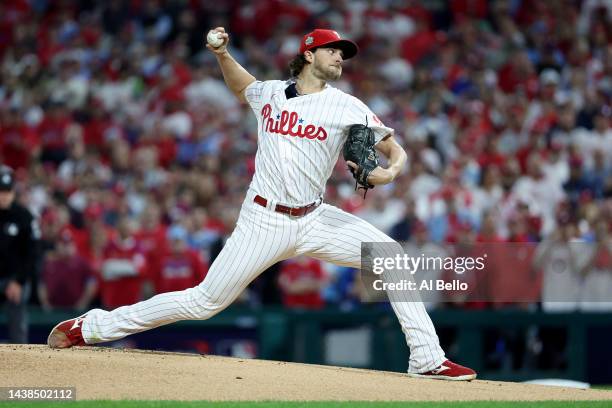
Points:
[335,236]
[292,167]
[261,238]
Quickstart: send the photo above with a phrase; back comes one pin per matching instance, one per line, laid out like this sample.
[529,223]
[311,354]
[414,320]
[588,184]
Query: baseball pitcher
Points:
[302,126]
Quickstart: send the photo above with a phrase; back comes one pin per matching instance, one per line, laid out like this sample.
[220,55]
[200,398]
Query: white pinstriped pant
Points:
[263,237]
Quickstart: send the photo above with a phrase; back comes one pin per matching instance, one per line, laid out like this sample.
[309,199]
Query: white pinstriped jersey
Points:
[299,142]
[299,139]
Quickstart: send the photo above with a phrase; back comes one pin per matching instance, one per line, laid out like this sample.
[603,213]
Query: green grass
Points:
[279,404]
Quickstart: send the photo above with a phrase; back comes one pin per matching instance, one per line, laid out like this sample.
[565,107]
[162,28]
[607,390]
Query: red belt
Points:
[292,211]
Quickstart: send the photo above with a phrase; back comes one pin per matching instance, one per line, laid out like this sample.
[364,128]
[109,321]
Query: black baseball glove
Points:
[359,148]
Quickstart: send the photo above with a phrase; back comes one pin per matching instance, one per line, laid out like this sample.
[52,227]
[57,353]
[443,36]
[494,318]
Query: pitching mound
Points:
[102,373]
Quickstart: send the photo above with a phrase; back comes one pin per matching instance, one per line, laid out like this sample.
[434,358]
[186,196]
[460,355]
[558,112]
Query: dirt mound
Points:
[102,373]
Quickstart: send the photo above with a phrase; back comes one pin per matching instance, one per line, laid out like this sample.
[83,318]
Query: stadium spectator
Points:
[178,267]
[404,228]
[597,271]
[578,186]
[343,289]
[301,280]
[152,234]
[68,280]
[381,211]
[561,261]
[123,268]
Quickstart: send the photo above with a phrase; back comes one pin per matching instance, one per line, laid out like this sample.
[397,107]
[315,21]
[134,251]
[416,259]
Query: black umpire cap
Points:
[7,178]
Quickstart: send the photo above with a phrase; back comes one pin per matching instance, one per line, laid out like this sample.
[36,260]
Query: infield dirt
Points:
[103,373]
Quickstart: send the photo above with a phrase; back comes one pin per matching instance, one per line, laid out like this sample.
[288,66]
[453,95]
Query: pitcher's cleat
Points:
[67,334]
[448,371]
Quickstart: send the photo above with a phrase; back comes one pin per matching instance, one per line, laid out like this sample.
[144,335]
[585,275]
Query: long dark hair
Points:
[297,64]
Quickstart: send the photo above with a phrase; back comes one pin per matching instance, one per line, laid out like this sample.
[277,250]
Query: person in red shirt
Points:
[488,229]
[67,280]
[152,233]
[301,280]
[179,267]
[52,133]
[18,142]
[491,155]
[518,74]
[95,126]
[418,45]
[122,269]
[94,236]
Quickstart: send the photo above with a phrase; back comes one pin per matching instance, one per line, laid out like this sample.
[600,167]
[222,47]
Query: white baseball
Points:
[214,39]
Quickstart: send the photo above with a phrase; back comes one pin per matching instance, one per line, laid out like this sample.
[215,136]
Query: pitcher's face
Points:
[327,64]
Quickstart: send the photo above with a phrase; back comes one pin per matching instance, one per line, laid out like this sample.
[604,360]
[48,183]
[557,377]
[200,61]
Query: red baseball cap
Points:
[328,38]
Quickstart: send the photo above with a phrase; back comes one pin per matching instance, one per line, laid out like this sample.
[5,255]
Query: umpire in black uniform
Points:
[19,235]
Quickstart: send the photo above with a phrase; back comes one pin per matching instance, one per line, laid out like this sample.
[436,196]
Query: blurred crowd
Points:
[135,157]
